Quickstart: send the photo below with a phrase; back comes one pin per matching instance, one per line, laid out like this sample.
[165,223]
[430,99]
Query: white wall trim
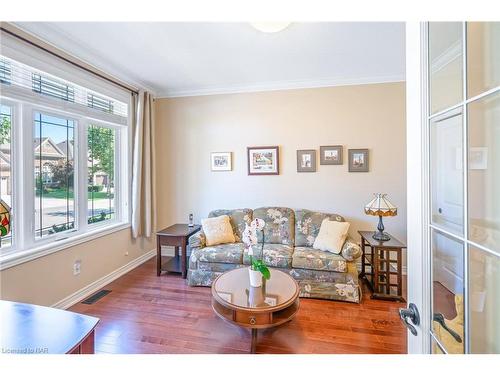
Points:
[103,281]
[281,85]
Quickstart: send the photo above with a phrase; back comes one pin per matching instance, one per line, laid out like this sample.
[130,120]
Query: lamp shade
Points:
[380,206]
[4,219]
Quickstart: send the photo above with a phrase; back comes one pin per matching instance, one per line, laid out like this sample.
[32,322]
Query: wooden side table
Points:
[176,235]
[32,329]
[384,259]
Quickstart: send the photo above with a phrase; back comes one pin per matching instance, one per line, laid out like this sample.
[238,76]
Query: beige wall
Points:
[49,279]
[364,116]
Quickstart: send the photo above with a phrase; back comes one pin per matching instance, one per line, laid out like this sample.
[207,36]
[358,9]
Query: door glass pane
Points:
[447,172]
[484,171]
[101,173]
[5,170]
[445,64]
[435,347]
[54,175]
[484,296]
[483,57]
[448,291]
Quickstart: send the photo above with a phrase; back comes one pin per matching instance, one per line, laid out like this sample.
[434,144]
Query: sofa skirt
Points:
[339,286]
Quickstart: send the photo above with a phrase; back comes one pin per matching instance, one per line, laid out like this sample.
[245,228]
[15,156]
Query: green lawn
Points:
[62,194]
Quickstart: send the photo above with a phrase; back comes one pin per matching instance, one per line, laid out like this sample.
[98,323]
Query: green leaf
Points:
[264,271]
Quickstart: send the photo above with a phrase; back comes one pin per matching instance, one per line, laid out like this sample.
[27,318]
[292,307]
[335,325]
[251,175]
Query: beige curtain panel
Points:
[143,164]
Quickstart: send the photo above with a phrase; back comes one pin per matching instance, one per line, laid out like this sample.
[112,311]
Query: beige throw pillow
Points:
[218,230]
[331,236]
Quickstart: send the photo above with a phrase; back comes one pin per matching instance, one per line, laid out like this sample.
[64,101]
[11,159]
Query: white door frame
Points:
[418,260]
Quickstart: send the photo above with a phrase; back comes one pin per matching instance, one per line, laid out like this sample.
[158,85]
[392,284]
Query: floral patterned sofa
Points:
[288,239]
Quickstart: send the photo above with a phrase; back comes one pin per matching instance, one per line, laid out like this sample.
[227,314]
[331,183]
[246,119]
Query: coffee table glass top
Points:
[234,288]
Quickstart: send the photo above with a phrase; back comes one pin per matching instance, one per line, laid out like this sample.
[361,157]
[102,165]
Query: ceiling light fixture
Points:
[270,27]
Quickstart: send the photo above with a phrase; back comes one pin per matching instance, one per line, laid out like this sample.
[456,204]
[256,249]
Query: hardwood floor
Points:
[149,314]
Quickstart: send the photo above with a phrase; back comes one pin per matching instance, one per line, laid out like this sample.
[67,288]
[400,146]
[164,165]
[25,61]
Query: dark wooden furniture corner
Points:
[32,329]
[176,235]
[384,260]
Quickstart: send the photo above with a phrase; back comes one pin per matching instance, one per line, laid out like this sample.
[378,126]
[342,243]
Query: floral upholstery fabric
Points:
[307,225]
[279,227]
[238,218]
[197,240]
[312,259]
[327,276]
[227,253]
[351,250]
[275,255]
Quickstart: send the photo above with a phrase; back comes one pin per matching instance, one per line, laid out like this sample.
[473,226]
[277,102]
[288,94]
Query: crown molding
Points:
[452,53]
[85,51]
[281,85]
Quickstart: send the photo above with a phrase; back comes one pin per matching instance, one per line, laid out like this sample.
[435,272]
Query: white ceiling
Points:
[181,59]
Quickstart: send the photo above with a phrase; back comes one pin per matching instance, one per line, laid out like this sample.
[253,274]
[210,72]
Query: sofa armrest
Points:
[197,241]
[351,250]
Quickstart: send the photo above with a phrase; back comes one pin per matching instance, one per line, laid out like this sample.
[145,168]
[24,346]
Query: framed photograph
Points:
[358,160]
[306,160]
[228,297]
[331,155]
[221,161]
[478,158]
[263,160]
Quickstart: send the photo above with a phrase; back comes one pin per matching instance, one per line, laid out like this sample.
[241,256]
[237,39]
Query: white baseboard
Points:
[98,284]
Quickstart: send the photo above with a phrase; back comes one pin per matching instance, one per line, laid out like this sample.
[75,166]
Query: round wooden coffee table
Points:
[275,303]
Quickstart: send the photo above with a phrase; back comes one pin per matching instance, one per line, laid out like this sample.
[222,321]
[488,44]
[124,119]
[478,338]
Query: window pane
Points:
[447,172]
[5,167]
[54,174]
[484,296]
[101,173]
[483,57]
[445,64]
[448,291]
[484,171]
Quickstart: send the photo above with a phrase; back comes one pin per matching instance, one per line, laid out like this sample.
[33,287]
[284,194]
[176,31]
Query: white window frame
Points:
[24,245]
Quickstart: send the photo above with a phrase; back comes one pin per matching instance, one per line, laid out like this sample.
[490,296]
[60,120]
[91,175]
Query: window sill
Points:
[15,258]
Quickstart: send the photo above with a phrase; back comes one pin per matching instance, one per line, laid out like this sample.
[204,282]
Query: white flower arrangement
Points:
[249,239]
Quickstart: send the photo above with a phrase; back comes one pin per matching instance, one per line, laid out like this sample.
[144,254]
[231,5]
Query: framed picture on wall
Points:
[263,160]
[331,155]
[306,160]
[358,160]
[221,161]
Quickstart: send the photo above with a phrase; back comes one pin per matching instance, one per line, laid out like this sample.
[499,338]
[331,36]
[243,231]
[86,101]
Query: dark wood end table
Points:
[176,235]
[384,260]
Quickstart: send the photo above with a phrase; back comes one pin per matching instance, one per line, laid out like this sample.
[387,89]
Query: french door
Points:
[454,256]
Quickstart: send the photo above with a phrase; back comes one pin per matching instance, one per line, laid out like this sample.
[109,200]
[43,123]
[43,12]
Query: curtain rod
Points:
[69,61]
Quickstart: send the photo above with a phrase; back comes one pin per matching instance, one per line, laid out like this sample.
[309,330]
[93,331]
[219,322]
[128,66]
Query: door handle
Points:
[410,313]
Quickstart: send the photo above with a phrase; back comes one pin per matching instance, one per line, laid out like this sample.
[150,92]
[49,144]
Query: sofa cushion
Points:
[307,225]
[279,227]
[238,218]
[331,236]
[218,230]
[275,255]
[312,259]
[227,253]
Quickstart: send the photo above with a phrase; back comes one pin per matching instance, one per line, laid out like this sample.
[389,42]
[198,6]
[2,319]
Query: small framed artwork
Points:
[228,297]
[221,161]
[478,158]
[358,160]
[263,160]
[306,160]
[331,155]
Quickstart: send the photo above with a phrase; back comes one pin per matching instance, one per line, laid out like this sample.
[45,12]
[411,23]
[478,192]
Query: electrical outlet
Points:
[126,253]
[77,267]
